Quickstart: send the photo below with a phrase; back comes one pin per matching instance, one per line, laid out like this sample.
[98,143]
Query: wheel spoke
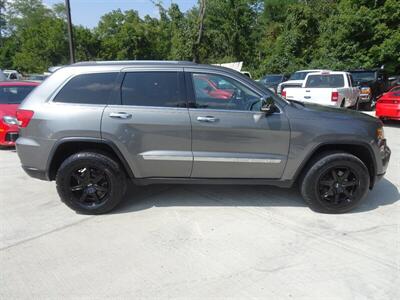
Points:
[336,198]
[77,178]
[77,188]
[101,188]
[349,183]
[97,178]
[348,194]
[345,175]
[83,196]
[334,174]
[327,182]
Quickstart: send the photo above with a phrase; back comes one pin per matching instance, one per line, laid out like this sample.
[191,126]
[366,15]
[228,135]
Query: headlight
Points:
[365,90]
[10,120]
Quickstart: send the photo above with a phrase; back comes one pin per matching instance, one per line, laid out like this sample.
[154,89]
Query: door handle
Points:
[207,119]
[120,115]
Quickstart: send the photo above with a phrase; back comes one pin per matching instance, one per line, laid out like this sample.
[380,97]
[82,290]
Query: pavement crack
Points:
[44,234]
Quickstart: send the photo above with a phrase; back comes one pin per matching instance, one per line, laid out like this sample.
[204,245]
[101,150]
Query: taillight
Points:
[335,96]
[283,94]
[24,117]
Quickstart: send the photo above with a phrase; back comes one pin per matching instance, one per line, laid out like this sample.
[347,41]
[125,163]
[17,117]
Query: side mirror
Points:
[268,105]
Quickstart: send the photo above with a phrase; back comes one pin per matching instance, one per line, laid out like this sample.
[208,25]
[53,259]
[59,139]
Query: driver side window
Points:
[220,92]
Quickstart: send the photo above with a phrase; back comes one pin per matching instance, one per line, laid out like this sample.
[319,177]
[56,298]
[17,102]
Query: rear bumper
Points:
[35,173]
[388,111]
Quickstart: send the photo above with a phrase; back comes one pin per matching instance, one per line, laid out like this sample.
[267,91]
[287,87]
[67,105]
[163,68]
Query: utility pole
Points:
[70,32]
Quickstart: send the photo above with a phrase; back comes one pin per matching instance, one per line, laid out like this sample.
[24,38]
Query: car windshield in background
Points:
[325,81]
[14,94]
[298,76]
[363,76]
[272,79]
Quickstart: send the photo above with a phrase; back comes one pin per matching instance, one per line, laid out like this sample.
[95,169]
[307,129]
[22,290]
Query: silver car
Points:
[96,127]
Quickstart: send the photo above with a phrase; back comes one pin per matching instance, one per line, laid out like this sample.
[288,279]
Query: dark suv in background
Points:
[373,83]
[95,127]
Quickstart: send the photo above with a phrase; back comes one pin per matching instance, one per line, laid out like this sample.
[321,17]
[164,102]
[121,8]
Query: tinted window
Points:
[14,94]
[87,88]
[160,89]
[220,92]
[299,75]
[325,81]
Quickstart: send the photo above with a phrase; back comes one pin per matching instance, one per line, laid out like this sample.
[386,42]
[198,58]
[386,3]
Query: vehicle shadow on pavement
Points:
[11,149]
[144,197]
[392,123]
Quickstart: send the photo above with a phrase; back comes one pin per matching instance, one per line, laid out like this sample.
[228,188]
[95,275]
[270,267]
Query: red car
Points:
[388,105]
[11,95]
[211,89]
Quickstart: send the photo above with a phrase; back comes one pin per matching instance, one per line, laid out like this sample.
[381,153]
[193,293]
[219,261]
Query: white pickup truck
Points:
[326,88]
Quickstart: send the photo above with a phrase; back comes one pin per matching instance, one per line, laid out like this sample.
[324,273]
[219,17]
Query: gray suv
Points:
[95,127]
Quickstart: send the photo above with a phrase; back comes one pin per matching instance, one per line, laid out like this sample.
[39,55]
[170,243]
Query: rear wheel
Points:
[90,183]
[335,183]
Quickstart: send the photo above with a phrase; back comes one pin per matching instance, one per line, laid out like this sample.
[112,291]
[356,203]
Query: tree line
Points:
[269,36]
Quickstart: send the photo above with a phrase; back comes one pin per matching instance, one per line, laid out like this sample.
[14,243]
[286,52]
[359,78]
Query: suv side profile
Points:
[96,127]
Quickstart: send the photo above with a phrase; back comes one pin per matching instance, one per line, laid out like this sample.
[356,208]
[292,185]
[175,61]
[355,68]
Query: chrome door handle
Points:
[120,115]
[208,119]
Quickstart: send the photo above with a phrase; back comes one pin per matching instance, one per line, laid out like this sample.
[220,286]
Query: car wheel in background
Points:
[335,183]
[91,183]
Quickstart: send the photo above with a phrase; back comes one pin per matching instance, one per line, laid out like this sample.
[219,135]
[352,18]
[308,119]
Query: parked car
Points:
[372,83]
[295,80]
[11,95]
[388,105]
[97,127]
[272,81]
[12,75]
[211,87]
[36,77]
[326,88]
[2,76]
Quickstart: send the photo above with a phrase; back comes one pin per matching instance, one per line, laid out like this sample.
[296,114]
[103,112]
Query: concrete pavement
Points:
[198,242]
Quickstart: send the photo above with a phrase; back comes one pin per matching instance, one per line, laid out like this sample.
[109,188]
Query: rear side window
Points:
[14,94]
[161,89]
[88,89]
[325,81]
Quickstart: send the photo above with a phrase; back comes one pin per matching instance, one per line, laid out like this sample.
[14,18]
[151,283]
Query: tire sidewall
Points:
[114,176]
[310,183]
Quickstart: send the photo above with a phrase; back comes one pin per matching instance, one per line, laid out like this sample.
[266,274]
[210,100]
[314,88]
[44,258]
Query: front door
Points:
[231,137]
[150,124]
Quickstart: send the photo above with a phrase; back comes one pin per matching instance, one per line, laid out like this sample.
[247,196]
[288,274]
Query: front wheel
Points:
[90,183]
[335,183]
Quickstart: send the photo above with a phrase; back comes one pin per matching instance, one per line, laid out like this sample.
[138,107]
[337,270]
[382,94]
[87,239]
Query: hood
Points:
[8,109]
[319,112]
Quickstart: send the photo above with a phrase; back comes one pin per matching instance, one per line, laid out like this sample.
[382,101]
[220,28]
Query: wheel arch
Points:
[69,146]
[361,150]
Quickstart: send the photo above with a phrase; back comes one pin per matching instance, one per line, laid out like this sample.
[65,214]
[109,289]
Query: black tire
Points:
[319,185]
[91,183]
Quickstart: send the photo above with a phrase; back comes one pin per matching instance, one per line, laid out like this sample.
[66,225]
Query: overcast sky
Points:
[88,12]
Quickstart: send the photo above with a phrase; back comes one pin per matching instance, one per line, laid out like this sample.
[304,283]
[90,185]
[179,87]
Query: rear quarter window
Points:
[88,89]
[325,81]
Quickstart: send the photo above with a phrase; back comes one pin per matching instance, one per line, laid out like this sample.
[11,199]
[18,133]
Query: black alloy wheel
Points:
[90,186]
[337,186]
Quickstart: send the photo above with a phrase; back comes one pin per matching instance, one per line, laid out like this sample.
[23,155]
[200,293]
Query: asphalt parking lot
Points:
[198,242]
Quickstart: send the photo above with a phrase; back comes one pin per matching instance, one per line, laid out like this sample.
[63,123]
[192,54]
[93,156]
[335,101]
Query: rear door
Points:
[150,124]
[231,137]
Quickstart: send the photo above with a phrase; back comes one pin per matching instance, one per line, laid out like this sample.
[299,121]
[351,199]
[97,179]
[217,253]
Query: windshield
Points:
[363,76]
[298,76]
[325,81]
[14,94]
[272,79]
